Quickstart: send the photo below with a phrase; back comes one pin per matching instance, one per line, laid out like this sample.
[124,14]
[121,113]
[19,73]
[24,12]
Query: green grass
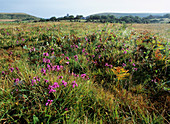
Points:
[114,75]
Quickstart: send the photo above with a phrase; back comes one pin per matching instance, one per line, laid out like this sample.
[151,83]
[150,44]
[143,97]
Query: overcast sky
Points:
[58,8]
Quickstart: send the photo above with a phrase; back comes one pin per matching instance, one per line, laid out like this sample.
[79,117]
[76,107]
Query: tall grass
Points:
[83,73]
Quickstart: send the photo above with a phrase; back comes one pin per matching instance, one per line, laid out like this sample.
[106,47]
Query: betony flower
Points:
[46,81]
[67,58]
[123,64]
[60,77]
[83,50]
[11,69]
[74,84]
[124,52]
[106,64]
[49,102]
[64,83]
[55,85]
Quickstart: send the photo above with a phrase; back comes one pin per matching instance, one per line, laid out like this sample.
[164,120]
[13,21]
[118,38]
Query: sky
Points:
[59,8]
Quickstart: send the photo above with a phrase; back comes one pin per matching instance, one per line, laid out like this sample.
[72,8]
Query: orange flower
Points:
[120,72]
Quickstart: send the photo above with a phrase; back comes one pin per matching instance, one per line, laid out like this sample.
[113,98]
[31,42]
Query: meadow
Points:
[75,72]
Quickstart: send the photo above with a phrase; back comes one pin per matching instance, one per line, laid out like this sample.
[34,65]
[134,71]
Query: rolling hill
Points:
[17,16]
[118,15]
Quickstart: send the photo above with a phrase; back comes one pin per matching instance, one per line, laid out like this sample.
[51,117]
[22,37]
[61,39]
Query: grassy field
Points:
[71,72]
[162,30]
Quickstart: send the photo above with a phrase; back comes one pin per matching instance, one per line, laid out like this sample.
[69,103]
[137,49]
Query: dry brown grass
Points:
[162,29]
[7,20]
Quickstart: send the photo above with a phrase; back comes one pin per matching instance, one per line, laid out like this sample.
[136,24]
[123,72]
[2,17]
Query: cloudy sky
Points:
[58,8]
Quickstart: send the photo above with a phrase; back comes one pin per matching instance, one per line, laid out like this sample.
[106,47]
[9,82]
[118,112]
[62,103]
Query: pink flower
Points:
[49,102]
[48,61]
[76,57]
[83,50]
[130,60]
[86,39]
[67,58]
[45,54]
[67,63]
[110,66]
[55,85]
[74,84]
[46,80]
[133,64]
[60,77]
[11,69]
[33,82]
[124,52]
[3,72]
[64,83]
[44,60]
[135,69]
[106,64]
[123,64]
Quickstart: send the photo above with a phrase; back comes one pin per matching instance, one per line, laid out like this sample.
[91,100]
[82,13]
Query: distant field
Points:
[162,29]
[7,20]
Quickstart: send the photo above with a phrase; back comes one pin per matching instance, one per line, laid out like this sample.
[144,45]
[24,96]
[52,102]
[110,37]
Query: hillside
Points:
[118,15]
[18,16]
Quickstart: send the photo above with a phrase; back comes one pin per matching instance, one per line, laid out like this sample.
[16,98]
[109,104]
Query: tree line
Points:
[109,18]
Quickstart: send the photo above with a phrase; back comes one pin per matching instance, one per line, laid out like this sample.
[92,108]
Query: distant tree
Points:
[53,19]
[167,16]
[104,17]
[71,17]
[78,17]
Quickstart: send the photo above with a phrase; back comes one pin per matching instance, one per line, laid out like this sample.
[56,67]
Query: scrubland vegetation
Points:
[70,72]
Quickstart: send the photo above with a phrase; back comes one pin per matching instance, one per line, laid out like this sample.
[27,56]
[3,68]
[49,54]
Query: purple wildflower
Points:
[49,102]
[11,69]
[124,52]
[45,54]
[74,84]
[3,72]
[48,61]
[46,81]
[106,64]
[135,69]
[33,82]
[67,58]
[60,77]
[64,83]
[83,50]
[110,66]
[55,85]
[67,63]
[123,64]
[133,64]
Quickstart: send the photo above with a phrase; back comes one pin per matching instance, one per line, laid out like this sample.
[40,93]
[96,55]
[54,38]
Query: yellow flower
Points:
[120,72]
